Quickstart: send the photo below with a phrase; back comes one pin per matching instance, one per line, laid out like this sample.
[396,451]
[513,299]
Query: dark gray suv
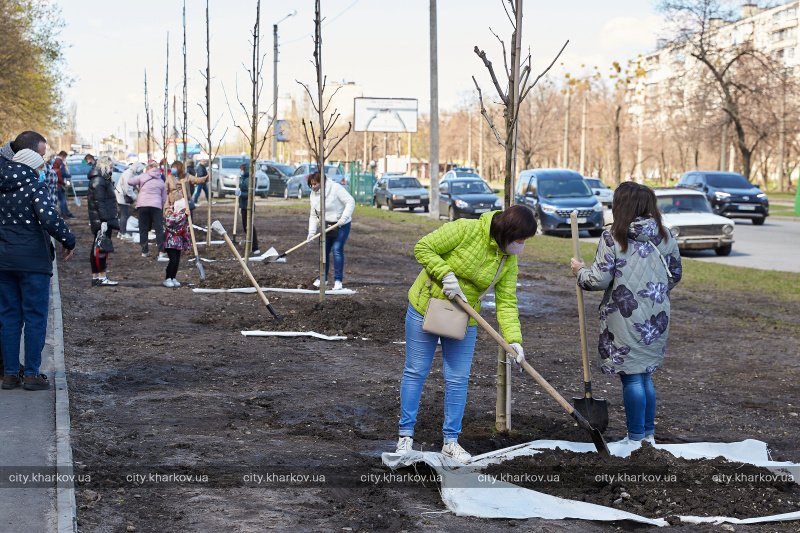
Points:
[729,194]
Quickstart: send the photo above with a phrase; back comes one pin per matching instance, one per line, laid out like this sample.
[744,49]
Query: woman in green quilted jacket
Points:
[460,260]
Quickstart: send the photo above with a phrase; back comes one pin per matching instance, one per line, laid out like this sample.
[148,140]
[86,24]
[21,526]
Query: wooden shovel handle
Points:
[189,214]
[290,250]
[246,269]
[507,347]
[576,247]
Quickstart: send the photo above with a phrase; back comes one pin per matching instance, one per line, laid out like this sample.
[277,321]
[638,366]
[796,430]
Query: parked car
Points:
[297,185]
[459,172]
[689,218]
[466,198]
[278,174]
[601,190]
[729,194]
[79,172]
[553,194]
[400,191]
[225,175]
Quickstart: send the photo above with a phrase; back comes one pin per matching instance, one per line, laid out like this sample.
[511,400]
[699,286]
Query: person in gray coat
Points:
[637,264]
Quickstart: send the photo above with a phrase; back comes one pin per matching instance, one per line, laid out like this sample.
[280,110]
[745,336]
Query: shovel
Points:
[593,409]
[75,194]
[197,262]
[217,226]
[273,255]
[597,437]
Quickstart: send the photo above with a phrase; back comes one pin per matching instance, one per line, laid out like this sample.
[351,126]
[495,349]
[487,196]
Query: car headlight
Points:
[675,231]
[498,203]
[719,195]
[549,209]
[727,229]
[397,197]
[598,207]
[762,195]
[461,204]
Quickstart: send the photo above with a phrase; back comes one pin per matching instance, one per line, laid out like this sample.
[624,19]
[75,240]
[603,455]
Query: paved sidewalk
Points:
[28,444]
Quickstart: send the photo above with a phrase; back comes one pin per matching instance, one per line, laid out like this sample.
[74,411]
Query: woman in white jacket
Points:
[124,201]
[339,206]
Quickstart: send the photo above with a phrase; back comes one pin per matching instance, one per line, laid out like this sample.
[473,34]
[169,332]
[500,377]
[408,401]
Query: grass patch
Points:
[782,210]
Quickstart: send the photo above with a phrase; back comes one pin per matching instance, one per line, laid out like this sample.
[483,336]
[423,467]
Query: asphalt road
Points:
[773,246]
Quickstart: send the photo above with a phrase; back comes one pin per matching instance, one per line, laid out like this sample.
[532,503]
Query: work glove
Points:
[519,356]
[451,288]
[104,227]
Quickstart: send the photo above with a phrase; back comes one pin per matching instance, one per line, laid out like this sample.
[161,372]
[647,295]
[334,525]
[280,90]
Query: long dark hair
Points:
[514,224]
[632,200]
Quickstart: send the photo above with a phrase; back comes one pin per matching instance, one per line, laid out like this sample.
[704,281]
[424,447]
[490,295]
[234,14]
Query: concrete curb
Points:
[65,493]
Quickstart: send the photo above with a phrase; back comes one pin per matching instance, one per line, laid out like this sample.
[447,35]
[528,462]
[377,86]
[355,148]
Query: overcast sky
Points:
[382,45]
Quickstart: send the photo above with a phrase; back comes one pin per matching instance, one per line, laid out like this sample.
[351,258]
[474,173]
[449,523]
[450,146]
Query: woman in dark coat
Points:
[102,203]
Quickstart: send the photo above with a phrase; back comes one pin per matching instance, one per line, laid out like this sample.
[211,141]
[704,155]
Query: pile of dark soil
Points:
[654,483]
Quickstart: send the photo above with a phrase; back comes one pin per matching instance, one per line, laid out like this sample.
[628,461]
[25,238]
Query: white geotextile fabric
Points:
[259,333]
[203,243]
[250,290]
[470,493]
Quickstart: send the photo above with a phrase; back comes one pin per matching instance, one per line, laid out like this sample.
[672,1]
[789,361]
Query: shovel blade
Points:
[201,270]
[597,437]
[271,255]
[595,411]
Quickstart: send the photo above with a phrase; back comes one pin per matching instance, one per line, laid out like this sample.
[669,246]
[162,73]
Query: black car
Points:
[278,174]
[729,194]
[467,198]
[400,191]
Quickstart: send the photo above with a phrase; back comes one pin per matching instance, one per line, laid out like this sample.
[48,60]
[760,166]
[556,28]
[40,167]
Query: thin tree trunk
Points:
[208,125]
[617,164]
[185,98]
[321,151]
[255,75]
[433,163]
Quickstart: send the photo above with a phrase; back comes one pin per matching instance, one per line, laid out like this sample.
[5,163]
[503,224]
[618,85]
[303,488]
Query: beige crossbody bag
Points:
[445,318]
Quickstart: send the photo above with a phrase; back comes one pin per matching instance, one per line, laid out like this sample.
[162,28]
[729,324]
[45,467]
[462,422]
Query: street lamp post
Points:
[275,84]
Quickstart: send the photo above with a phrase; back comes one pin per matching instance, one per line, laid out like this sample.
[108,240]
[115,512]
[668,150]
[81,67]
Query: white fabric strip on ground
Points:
[259,333]
[249,290]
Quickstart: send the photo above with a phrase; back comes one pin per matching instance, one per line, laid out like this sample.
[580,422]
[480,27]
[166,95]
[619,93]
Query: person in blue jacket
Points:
[28,218]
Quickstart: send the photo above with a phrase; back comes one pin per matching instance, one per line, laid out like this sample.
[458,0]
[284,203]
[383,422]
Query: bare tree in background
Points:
[255,140]
[185,125]
[517,88]
[731,65]
[148,114]
[319,141]
[208,145]
[165,124]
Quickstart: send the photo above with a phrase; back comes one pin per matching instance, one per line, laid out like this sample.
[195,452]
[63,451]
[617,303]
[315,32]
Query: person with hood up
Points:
[637,264]
[461,259]
[27,221]
[126,196]
[103,217]
[177,239]
[149,203]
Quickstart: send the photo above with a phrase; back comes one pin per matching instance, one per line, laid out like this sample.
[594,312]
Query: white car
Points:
[689,218]
[601,190]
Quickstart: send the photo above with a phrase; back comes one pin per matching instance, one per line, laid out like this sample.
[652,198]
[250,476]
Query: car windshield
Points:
[404,183]
[684,203]
[234,162]
[597,184]
[79,167]
[564,188]
[469,187]
[728,181]
[329,169]
[286,169]
[466,174]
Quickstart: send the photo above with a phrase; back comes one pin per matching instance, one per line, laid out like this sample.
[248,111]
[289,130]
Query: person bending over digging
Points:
[339,207]
[637,264]
[462,259]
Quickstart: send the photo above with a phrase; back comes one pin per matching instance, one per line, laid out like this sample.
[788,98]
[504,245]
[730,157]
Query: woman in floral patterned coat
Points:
[176,240]
[637,264]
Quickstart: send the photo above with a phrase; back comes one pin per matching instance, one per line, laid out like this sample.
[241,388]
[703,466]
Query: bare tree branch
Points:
[486,115]
[481,54]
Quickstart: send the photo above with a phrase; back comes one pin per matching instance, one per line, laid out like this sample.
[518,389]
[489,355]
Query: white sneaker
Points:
[162,257]
[404,445]
[651,439]
[168,283]
[453,450]
[337,285]
[256,252]
[316,283]
[176,283]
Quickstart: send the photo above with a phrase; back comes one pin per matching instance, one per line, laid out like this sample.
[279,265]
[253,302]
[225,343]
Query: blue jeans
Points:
[61,194]
[337,245]
[24,298]
[639,396]
[200,187]
[456,363]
